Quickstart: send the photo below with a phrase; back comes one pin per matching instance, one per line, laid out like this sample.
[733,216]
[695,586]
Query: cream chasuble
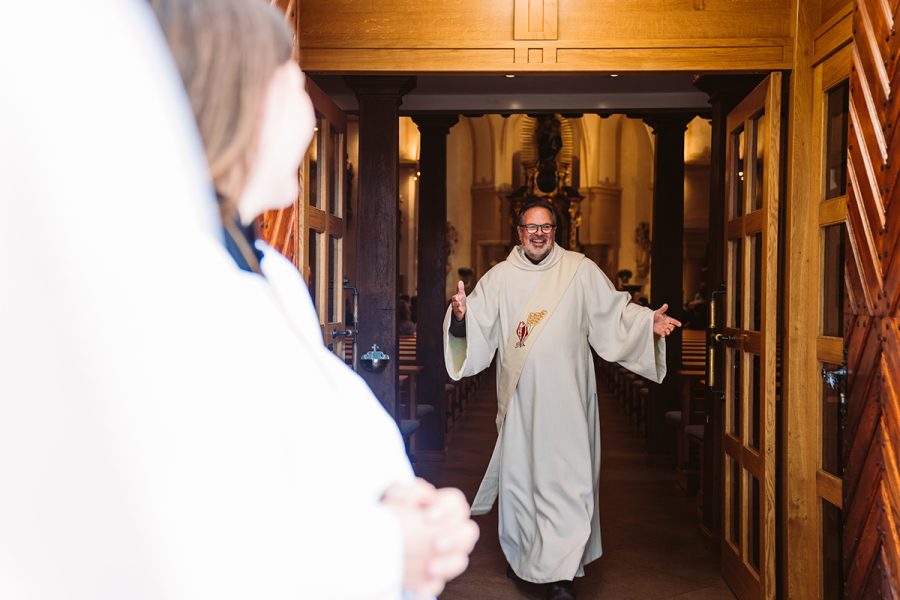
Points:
[546,463]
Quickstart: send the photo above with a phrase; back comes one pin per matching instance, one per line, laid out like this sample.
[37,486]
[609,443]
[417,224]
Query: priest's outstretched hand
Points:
[458,301]
[663,324]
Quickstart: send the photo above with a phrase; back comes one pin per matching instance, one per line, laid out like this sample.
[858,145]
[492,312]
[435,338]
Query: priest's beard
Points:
[537,247]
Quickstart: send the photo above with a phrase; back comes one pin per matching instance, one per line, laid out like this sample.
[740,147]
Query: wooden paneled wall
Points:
[872,476]
[544,35]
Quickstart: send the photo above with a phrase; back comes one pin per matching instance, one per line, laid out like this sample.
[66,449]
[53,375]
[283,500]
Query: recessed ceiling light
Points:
[510,75]
[613,74]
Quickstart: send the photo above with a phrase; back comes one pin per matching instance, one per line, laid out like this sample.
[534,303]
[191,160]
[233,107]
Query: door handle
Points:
[711,359]
[833,377]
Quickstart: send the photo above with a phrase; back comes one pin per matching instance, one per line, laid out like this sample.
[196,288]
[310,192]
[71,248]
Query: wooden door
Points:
[322,226]
[311,231]
[824,431]
[871,486]
[749,340]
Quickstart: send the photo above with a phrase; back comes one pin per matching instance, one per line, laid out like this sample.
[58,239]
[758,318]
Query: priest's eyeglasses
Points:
[533,228]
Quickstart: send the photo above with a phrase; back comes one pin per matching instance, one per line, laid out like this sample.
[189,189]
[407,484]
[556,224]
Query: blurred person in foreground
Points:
[154,441]
[256,120]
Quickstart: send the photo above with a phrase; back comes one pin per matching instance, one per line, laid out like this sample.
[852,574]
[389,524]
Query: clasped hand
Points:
[438,534]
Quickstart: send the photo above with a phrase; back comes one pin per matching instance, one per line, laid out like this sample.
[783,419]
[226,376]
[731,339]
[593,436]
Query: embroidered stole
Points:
[537,311]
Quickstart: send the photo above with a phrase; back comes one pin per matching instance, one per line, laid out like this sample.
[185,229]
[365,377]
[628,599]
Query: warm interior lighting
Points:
[613,74]
[510,75]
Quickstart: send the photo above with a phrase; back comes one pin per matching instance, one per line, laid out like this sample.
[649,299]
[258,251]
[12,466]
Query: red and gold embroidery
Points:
[525,327]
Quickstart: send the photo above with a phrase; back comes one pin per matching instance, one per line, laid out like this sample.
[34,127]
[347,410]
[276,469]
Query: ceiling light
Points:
[509,75]
[613,74]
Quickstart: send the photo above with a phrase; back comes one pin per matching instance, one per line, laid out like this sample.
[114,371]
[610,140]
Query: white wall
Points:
[409,140]
[636,181]
[616,168]
[459,198]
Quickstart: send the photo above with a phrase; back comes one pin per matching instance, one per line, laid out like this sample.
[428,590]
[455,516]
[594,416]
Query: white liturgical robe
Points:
[546,463]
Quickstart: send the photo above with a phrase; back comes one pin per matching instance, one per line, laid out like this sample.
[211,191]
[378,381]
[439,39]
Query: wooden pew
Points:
[691,416]
[408,413]
[405,409]
[456,393]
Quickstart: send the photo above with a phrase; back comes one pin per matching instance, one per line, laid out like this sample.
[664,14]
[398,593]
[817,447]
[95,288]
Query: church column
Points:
[379,164]
[432,301]
[667,264]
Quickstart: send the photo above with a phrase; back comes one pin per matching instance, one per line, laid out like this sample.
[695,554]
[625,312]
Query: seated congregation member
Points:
[542,310]
[405,325]
[256,121]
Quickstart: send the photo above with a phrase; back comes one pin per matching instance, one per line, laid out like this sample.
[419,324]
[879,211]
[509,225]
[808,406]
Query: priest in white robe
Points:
[543,309]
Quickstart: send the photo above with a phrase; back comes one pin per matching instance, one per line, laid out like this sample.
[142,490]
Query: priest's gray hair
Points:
[538,203]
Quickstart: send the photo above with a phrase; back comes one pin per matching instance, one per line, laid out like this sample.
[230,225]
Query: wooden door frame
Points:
[802,381]
[287,229]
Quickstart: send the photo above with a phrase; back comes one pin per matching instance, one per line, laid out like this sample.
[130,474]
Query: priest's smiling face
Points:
[537,245]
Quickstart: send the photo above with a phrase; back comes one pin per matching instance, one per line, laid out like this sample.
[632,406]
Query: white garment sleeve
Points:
[472,354]
[620,331]
[292,292]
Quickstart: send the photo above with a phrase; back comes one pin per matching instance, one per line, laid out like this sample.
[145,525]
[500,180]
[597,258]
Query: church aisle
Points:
[651,546]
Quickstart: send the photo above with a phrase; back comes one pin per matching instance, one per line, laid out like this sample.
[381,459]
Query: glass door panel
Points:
[735,414]
[832,430]
[836,101]
[736,200]
[755,396]
[336,180]
[754,526]
[313,171]
[312,266]
[834,239]
[755,280]
[758,161]
[736,279]
[832,556]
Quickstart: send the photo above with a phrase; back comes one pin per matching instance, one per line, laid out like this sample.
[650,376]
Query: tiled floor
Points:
[651,546]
